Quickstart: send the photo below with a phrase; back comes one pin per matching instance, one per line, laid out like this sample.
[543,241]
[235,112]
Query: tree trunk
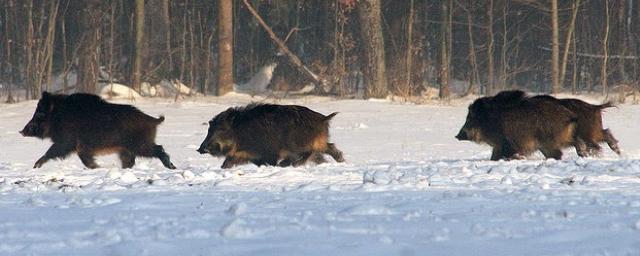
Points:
[445,50]
[136,73]
[567,43]
[409,60]
[503,52]
[605,50]
[225,46]
[88,52]
[9,35]
[156,32]
[34,87]
[574,77]
[374,69]
[491,70]
[555,51]
[473,62]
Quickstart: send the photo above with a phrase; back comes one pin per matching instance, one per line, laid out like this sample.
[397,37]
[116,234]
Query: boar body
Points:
[90,126]
[589,128]
[268,134]
[516,125]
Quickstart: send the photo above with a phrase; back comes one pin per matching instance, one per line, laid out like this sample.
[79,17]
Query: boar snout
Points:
[28,130]
[462,135]
[203,150]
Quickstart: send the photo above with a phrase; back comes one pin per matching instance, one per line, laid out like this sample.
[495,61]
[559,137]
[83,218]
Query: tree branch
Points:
[292,57]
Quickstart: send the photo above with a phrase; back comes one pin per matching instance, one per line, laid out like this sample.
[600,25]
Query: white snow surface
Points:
[407,188]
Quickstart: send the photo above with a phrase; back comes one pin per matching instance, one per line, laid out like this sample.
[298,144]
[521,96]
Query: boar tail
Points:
[607,104]
[327,118]
[160,119]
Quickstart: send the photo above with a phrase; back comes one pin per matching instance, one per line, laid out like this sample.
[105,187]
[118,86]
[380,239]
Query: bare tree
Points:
[225,46]
[88,52]
[567,44]
[136,73]
[555,48]
[157,57]
[369,14]
[409,54]
[605,50]
[445,49]
[491,68]
[474,74]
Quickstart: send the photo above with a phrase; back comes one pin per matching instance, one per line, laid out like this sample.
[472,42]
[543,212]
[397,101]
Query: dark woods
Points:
[378,47]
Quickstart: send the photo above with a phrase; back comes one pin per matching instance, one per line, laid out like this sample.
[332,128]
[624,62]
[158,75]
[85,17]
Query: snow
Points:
[407,188]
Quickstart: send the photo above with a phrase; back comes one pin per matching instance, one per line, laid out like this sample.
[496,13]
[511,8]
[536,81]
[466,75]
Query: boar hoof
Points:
[39,163]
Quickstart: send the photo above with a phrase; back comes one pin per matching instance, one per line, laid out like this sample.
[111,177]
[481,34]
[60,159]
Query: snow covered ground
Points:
[407,188]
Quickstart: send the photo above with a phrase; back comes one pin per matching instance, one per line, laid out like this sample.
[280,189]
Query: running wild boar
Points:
[268,134]
[88,125]
[516,125]
[589,125]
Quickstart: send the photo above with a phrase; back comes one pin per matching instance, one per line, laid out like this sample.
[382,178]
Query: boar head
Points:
[472,128]
[219,140]
[40,123]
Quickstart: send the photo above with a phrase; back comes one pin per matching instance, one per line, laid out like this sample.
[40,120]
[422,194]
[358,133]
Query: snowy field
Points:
[407,188]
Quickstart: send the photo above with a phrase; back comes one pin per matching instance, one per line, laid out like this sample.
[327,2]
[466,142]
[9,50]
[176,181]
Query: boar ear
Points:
[45,94]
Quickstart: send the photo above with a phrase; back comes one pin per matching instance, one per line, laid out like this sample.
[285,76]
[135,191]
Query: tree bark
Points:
[156,31]
[136,73]
[225,46]
[89,48]
[567,43]
[34,88]
[475,74]
[605,50]
[374,69]
[445,52]
[555,45]
[503,52]
[409,59]
[491,68]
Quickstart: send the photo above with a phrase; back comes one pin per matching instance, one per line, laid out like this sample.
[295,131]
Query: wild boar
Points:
[589,125]
[269,134]
[88,125]
[516,125]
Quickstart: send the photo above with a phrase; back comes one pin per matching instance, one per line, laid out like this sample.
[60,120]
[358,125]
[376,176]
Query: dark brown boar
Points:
[88,125]
[589,127]
[268,134]
[516,125]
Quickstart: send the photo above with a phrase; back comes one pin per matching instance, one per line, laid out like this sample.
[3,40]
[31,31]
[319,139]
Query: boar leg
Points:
[593,149]
[504,151]
[497,154]
[318,158]
[302,159]
[286,162]
[259,162]
[57,150]
[501,152]
[581,147]
[87,159]
[265,161]
[231,161]
[334,152]
[158,151]
[611,141]
[127,158]
[294,159]
[552,152]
